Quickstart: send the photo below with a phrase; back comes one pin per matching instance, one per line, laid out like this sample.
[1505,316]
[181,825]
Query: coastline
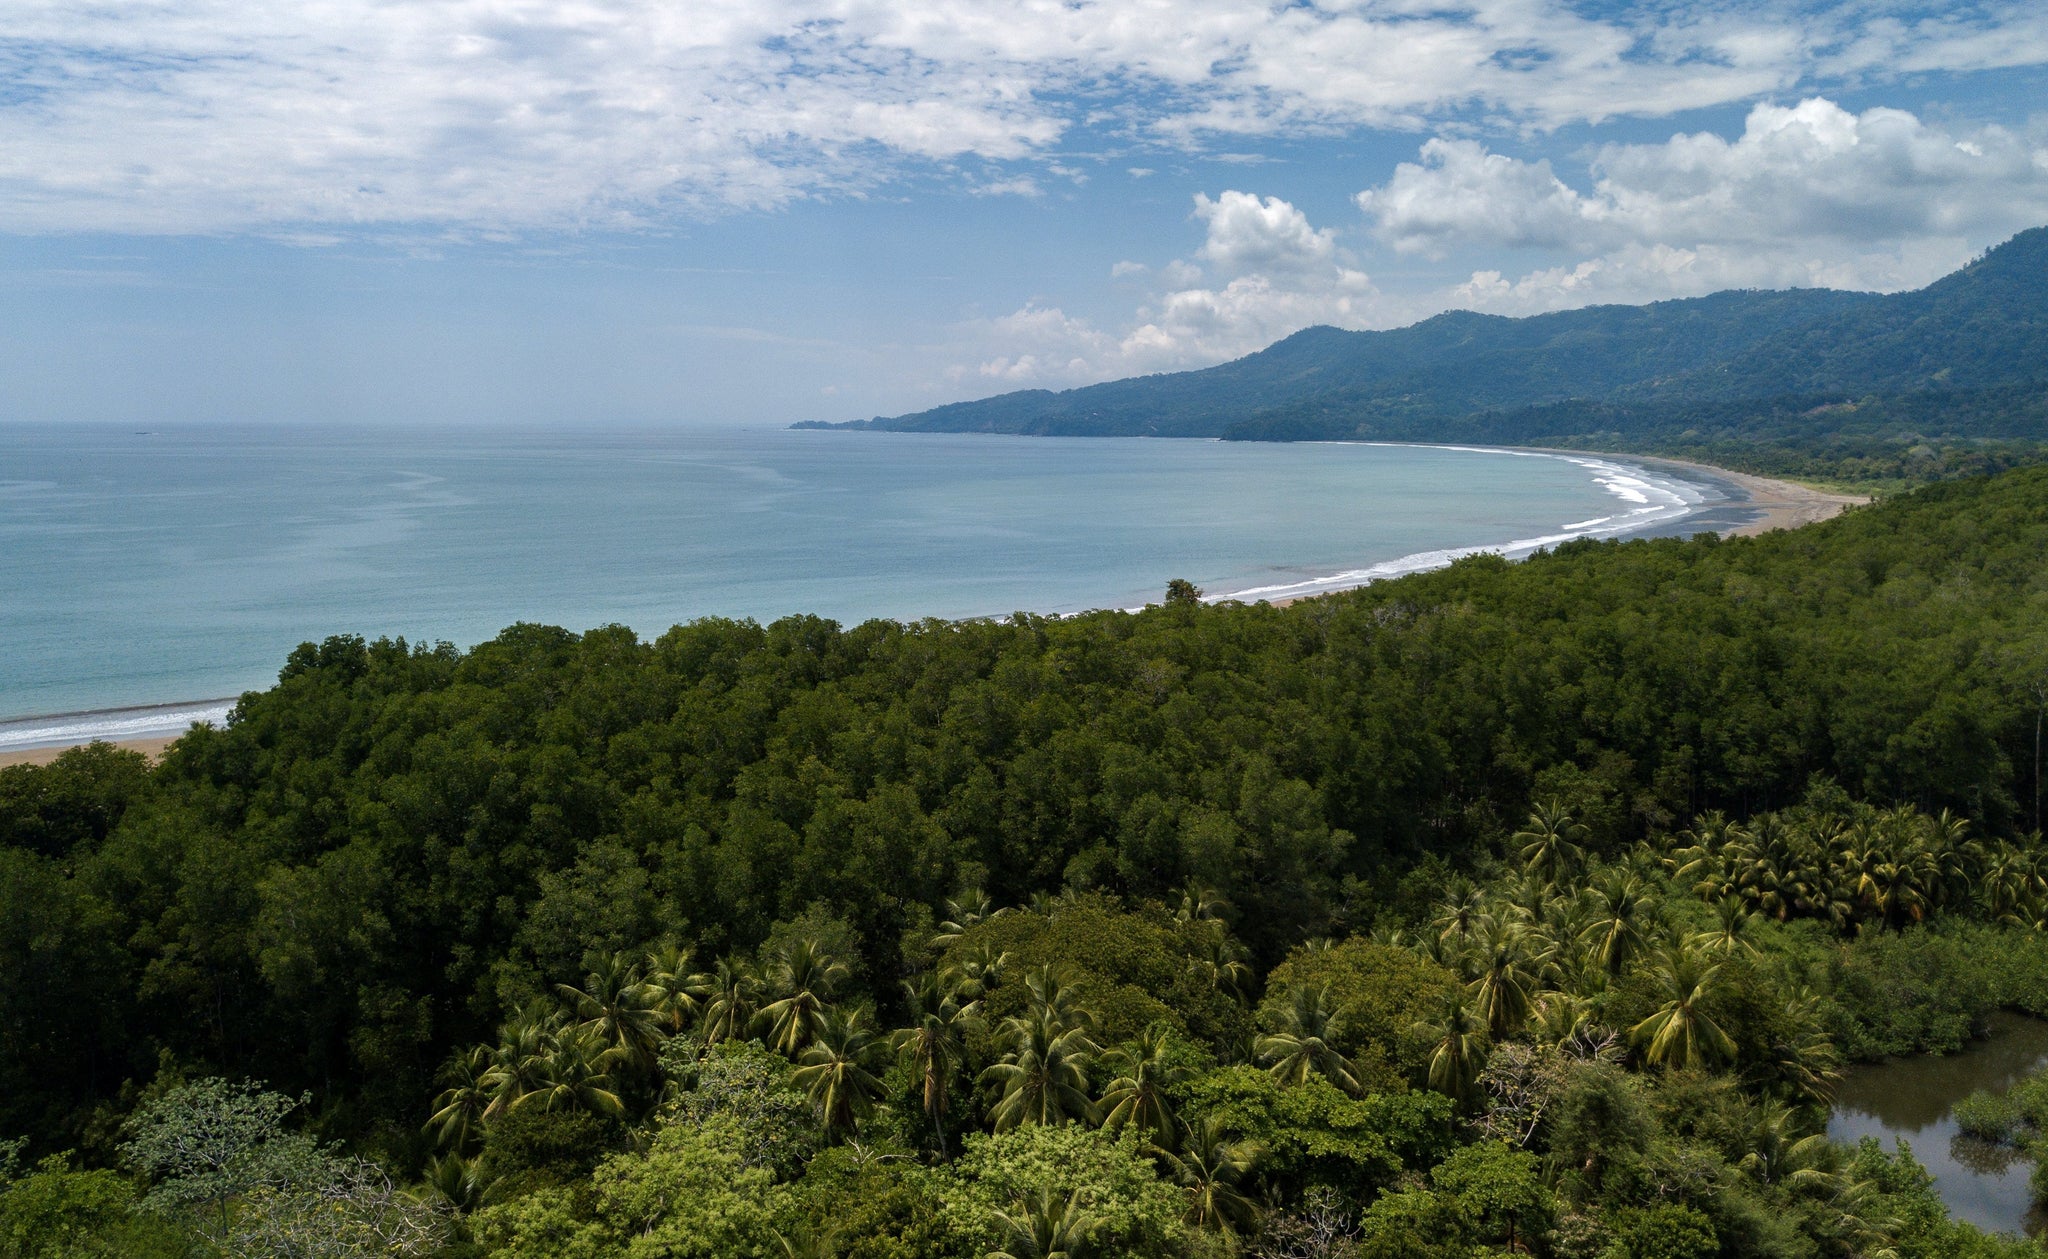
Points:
[1777,504]
[1756,505]
[154,749]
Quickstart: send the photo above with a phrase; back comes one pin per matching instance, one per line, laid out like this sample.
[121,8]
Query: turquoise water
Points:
[145,568]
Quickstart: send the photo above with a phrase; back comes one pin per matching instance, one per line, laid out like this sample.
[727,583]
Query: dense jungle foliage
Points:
[1507,908]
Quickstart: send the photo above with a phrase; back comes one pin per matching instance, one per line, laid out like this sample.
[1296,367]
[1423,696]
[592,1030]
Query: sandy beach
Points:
[151,748]
[1778,504]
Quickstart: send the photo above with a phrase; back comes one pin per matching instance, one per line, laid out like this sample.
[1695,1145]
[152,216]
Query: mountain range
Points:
[1965,357]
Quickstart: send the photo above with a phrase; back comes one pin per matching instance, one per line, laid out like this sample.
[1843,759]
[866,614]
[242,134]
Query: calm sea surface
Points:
[144,568]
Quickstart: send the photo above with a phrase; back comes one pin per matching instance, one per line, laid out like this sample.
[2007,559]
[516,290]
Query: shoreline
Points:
[1765,504]
[1778,504]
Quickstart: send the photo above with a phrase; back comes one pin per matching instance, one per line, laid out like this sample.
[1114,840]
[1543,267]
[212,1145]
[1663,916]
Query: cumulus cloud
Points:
[1809,194]
[507,115]
[1261,272]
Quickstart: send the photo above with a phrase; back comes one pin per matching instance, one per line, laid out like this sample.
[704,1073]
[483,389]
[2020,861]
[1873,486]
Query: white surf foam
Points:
[111,724]
[1653,499]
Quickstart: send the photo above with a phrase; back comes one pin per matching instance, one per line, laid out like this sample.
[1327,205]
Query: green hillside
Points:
[1948,379]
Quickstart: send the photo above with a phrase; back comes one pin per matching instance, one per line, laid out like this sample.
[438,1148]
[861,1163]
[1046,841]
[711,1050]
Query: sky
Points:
[759,211]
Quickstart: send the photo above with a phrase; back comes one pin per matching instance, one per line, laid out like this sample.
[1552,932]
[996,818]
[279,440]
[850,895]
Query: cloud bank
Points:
[209,116]
[1806,195]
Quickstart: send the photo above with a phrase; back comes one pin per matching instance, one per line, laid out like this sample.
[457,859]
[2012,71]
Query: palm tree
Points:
[1682,1034]
[1145,1071]
[459,1111]
[971,976]
[803,975]
[679,990]
[1803,1060]
[1052,992]
[1778,1154]
[734,991]
[1044,1077]
[1459,1049]
[1623,915]
[1213,1169]
[1201,904]
[836,1073]
[1507,982]
[574,1073]
[1730,933]
[1553,842]
[1301,1047]
[1221,962]
[455,1179]
[516,1062]
[931,1045]
[1046,1225]
[1458,914]
[625,1012]
[971,910]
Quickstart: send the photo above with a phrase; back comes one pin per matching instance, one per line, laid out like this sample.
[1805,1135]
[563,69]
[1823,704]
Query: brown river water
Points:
[1910,1099]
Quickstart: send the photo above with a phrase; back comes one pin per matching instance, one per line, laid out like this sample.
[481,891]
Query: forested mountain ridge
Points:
[1967,356]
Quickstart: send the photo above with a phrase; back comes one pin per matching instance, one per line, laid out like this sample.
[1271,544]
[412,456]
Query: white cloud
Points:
[505,115]
[1809,194]
[1264,271]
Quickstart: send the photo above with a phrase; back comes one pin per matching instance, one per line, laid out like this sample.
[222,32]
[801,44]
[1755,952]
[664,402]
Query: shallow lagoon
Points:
[1910,1099]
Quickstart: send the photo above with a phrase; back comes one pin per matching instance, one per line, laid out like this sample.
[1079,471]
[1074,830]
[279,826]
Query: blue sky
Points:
[640,211]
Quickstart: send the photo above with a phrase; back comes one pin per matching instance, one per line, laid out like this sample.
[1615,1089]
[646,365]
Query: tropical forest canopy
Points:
[1526,907]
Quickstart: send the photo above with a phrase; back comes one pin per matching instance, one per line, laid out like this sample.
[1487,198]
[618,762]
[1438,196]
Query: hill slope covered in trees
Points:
[1757,379]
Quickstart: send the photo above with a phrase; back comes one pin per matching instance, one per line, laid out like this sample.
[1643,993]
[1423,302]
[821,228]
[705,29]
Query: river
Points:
[1911,1099]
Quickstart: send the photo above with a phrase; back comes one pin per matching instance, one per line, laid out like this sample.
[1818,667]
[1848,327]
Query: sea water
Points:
[181,565]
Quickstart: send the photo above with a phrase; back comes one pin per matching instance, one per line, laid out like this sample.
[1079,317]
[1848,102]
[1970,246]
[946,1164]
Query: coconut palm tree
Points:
[1458,1052]
[1552,844]
[1138,1094]
[1201,904]
[1045,1225]
[973,974]
[1682,1034]
[1214,1170]
[802,976]
[1731,931]
[620,1007]
[838,1070]
[962,915]
[1055,991]
[732,1002]
[459,1110]
[1043,1079]
[931,1046]
[1624,913]
[574,1072]
[1459,913]
[516,1062]
[679,988]
[1301,1047]
[1222,962]
[1508,981]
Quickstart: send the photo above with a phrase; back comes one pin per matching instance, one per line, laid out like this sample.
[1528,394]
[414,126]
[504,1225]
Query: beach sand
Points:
[1775,504]
[151,748]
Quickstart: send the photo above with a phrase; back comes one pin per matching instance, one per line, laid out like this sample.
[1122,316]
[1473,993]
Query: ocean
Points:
[178,567]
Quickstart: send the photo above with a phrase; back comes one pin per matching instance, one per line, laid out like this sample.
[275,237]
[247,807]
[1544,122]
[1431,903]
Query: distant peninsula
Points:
[1954,369]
